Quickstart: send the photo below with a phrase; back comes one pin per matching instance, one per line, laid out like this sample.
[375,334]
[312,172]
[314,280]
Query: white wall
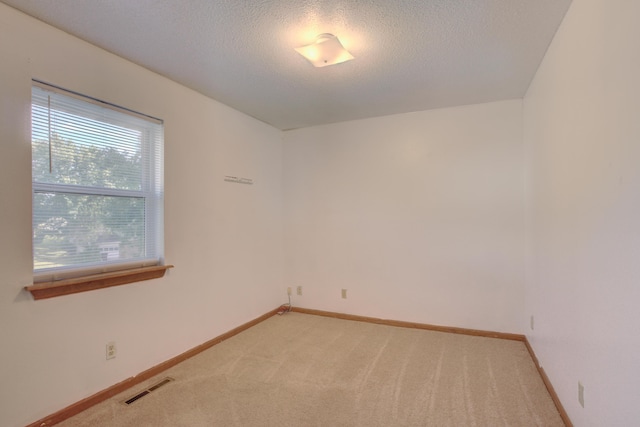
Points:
[224,239]
[582,132]
[419,216]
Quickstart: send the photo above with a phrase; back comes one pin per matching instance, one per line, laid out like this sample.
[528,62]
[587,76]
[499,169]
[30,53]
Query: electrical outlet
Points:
[532,322]
[289,291]
[581,394]
[344,294]
[299,290]
[111,350]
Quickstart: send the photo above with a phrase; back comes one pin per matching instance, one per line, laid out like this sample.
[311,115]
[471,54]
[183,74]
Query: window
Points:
[97,186]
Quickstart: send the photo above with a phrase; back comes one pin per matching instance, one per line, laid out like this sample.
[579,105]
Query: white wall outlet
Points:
[289,291]
[344,294]
[299,290]
[581,394]
[111,350]
[532,322]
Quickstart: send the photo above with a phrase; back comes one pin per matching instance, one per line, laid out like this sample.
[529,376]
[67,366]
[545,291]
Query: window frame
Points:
[55,281]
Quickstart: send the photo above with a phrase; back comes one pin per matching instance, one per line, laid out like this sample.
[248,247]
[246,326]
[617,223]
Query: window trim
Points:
[95,281]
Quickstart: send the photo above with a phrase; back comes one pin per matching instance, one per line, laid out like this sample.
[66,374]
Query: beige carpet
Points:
[304,370]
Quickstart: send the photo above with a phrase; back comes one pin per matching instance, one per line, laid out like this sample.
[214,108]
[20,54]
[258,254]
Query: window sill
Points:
[95,281]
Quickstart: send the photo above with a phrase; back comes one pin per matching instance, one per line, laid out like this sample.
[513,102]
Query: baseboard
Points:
[107,393]
[449,329]
[547,383]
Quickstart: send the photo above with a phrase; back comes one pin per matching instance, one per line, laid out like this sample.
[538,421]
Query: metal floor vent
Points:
[143,393]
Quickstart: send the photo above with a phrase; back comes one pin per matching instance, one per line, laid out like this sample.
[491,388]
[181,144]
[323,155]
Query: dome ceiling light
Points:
[325,50]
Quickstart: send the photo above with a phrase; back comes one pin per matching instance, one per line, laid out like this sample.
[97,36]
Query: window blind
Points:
[97,173]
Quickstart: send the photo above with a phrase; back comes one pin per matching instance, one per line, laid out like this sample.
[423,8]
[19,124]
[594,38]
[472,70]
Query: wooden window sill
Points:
[95,281]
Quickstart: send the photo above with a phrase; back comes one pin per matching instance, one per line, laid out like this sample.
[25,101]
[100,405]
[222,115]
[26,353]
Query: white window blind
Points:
[97,185]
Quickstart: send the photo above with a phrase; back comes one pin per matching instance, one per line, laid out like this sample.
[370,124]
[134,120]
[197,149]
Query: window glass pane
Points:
[77,229]
[87,165]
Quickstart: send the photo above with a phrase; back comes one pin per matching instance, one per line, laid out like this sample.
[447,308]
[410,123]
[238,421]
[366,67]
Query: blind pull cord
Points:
[49,124]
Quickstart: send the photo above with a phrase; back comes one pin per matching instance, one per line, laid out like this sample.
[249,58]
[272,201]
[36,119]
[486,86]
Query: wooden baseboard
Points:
[452,330]
[105,394]
[547,383]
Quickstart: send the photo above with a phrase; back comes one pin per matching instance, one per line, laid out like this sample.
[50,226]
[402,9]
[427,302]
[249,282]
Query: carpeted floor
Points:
[304,370]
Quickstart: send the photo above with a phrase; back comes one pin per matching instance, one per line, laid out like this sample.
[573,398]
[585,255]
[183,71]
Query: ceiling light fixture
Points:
[325,50]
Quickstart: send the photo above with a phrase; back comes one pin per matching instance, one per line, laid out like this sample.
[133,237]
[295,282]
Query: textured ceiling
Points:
[409,55]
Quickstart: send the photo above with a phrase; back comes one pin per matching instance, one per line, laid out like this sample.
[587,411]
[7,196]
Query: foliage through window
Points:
[97,183]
